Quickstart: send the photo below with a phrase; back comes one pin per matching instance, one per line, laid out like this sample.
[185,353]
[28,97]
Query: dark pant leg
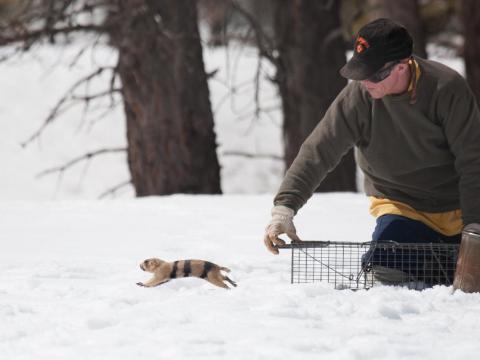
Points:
[412,263]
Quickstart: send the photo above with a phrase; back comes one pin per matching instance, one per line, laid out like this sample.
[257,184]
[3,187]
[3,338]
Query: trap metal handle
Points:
[323,243]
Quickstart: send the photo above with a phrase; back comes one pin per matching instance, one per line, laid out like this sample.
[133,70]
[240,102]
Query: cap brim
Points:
[355,69]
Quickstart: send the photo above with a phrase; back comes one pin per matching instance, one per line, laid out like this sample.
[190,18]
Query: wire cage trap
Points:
[349,265]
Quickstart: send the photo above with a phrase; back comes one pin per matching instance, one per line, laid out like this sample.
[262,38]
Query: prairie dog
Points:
[165,271]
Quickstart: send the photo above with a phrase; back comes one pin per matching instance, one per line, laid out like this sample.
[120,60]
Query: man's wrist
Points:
[281,210]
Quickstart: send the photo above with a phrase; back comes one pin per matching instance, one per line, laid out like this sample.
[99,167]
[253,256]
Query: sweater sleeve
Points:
[460,117]
[335,134]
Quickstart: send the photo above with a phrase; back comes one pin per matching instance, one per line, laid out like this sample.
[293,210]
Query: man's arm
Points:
[335,134]
[460,117]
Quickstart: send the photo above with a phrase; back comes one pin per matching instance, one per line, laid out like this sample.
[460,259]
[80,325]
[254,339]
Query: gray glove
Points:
[281,223]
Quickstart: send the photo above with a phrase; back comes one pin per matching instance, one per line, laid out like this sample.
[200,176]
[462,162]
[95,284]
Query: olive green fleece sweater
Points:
[425,154]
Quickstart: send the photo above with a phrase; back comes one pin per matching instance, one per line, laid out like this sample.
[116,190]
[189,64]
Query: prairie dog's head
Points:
[151,265]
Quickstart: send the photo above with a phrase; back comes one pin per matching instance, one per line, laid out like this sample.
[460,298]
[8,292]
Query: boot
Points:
[467,273]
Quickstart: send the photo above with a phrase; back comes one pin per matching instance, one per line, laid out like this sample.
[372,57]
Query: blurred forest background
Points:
[160,81]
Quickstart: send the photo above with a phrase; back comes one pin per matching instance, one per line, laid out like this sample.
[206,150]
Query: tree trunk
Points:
[311,51]
[405,12]
[471,23]
[171,142]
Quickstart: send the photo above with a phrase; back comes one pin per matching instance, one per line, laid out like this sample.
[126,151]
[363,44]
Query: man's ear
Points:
[403,67]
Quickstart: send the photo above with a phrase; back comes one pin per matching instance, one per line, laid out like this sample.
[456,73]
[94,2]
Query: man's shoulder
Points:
[440,75]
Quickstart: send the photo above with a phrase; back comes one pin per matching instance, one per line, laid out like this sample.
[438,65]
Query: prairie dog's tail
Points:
[223,268]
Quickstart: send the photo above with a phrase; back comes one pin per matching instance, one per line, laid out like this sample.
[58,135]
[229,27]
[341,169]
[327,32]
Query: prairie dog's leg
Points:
[153,282]
[215,278]
[226,278]
[218,282]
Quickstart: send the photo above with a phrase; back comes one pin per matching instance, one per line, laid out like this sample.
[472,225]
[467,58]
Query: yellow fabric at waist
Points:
[447,223]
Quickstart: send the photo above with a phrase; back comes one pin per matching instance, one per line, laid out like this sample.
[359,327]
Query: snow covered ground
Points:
[68,272]
[69,263]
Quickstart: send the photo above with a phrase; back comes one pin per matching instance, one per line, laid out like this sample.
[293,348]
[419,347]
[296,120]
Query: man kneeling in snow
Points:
[416,128]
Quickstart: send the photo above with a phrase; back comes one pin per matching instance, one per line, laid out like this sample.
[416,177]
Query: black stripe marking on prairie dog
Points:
[187,268]
[207,267]
[164,271]
[173,273]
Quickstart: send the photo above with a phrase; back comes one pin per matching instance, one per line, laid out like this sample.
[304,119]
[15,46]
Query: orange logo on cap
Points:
[361,44]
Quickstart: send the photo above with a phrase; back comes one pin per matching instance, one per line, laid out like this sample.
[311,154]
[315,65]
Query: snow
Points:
[68,272]
[69,262]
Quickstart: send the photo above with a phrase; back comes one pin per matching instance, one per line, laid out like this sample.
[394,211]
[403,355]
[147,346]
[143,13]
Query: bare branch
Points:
[253,155]
[113,78]
[36,20]
[88,98]
[264,43]
[103,115]
[86,157]
[256,95]
[253,114]
[15,52]
[69,96]
[114,189]
[28,37]
[80,53]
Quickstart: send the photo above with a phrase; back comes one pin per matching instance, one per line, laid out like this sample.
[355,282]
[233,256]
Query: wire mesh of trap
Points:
[349,265]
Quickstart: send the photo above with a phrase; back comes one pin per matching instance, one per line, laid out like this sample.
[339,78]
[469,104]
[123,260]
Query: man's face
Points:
[384,87]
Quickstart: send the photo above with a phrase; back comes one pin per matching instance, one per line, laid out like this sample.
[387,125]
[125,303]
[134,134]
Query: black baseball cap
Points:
[377,43]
